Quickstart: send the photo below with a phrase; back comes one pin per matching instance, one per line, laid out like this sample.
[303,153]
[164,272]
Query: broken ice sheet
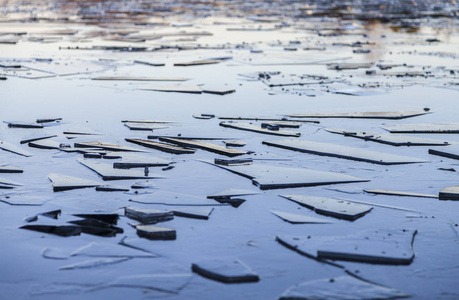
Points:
[331,207]
[6,169]
[274,177]
[424,128]
[449,193]
[94,263]
[48,144]
[106,218]
[299,219]
[127,160]
[80,130]
[55,253]
[8,182]
[394,115]
[162,146]
[343,287]
[19,124]
[385,246]
[132,78]
[107,172]
[225,270]
[258,129]
[111,188]
[202,213]
[96,227]
[54,214]
[399,193]
[64,182]
[389,139]
[345,152]
[203,116]
[13,148]
[234,143]
[97,249]
[204,146]
[35,137]
[190,89]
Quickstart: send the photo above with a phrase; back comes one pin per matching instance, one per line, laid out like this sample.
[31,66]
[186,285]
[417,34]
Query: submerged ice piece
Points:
[191,89]
[148,216]
[144,126]
[274,177]
[205,146]
[333,150]
[18,124]
[162,146]
[424,128]
[63,182]
[387,246]
[343,287]
[394,115]
[299,219]
[6,169]
[389,139]
[331,207]
[225,270]
[109,173]
[258,129]
[106,146]
[96,249]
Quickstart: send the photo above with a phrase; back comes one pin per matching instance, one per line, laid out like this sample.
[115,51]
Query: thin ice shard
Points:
[393,115]
[205,146]
[344,152]
[398,193]
[107,172]
[162,146]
